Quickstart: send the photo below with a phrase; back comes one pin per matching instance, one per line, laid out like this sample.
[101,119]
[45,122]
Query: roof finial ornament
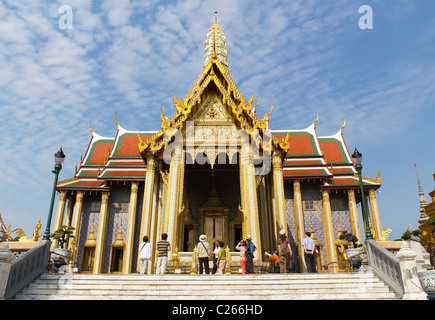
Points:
[343,126]
[116,122]
[90,129]
[315,121]
[216,20]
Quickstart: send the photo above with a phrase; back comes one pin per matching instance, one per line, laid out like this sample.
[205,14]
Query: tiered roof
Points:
[313,157]
[109,159]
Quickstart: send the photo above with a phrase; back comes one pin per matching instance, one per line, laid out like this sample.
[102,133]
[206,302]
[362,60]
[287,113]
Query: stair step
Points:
[338,286]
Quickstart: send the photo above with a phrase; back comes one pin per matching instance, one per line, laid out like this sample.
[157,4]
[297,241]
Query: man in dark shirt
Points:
[163,247]
[250,248]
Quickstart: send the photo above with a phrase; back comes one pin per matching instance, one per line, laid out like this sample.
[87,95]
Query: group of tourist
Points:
[246,248]
[281,258]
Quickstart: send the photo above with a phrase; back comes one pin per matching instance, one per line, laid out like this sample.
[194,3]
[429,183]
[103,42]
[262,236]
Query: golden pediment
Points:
[212,110]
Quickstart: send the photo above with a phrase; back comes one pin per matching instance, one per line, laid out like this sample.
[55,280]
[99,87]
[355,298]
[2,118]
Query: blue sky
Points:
[131,56]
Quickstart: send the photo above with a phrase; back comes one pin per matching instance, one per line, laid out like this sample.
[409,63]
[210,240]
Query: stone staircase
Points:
[322,286]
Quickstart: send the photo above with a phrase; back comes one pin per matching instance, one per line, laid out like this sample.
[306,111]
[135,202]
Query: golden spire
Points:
[215,44]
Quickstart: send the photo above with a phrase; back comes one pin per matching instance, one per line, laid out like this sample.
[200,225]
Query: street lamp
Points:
[357,160]
[59,157]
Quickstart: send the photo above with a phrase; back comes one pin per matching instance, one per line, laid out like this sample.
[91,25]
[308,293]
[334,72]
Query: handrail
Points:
[386,266]
[27,268]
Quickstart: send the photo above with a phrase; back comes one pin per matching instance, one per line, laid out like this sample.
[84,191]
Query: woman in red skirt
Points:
[242,248]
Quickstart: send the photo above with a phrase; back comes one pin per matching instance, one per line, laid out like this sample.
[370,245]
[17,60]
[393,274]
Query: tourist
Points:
[163,247]
[285,252]
[309,250]
[222,259]
[215,256]
[242,248]
[250,248]
[275,259]
[203,253]
[144,254]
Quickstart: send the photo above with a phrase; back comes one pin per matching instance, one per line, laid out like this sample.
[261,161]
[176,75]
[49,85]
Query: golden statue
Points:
[194,261]
[176,259]
[36,234]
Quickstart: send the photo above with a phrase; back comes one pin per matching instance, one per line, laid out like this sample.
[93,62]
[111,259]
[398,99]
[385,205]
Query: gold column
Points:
[374,213]
[145,223]
[77,215]
[250,201]
[102,231]
[59,215]
[353,212]
[172,193]
[278,185]
[299,222]
[176,242]
[128,260]
[242,176]
[328,230]
[155,219]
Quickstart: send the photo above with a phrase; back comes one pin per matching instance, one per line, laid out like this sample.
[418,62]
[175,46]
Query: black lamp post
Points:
[59,157]
[357,160]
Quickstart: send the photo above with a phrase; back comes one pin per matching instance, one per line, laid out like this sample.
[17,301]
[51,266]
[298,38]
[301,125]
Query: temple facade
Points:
[214,168]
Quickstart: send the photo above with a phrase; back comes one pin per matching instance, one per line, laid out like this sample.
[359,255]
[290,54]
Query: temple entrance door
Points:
[214,229]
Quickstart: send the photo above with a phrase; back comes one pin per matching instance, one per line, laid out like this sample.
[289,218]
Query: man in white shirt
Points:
[144,254]
[309,250]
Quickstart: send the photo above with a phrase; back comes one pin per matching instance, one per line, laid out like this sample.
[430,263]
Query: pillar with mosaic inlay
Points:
[59,215]
[172,195]
[328,230]
[250,199]
[299,221]
[353,213]
[77,215]
[102,231]
[374,214]
[128,261]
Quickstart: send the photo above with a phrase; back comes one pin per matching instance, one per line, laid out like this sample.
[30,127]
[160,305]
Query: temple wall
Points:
[88,220]
[310,190]
[119,193]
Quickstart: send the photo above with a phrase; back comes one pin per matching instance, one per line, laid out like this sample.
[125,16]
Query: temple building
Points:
[214,168]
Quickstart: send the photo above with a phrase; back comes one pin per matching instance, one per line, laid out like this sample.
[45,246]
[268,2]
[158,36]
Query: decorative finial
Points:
[315,121]
[216,19]
[344,126]
[90,129]
[116,122]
